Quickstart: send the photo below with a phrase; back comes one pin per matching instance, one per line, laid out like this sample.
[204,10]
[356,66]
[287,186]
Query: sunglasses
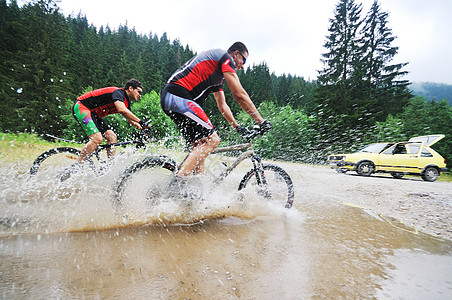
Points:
[244,59]
[140,91]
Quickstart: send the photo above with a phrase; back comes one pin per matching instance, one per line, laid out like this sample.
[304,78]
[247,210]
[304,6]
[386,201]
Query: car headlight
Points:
[336,157]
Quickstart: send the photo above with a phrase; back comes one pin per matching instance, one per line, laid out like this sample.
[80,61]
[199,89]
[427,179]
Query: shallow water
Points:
[66,241]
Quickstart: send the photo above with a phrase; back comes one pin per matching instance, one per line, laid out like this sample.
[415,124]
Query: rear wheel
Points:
[53,162]
[430,174]
[272,184]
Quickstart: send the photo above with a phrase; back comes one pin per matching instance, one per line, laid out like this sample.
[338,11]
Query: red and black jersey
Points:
[102,101]
[201,75]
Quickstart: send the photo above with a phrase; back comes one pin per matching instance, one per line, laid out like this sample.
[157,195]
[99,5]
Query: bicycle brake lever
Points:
[253,133]
[146,124]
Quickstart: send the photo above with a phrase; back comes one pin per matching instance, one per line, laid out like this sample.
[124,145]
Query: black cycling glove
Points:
[265,126]
[243,131]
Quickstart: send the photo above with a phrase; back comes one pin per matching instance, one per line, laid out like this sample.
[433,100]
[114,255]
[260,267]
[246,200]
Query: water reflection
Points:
[266,257]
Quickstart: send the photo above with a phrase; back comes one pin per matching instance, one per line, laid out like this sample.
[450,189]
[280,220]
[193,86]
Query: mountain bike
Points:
[150,177]
[56,161]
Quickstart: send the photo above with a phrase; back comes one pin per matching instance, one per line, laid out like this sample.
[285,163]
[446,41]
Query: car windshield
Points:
[375,148]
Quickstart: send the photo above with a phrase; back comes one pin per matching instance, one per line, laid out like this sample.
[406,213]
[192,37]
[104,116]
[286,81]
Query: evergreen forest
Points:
[360,96]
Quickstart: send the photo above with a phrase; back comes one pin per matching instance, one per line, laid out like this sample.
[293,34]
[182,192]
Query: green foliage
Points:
[423,117]
[291,137]
[391,130]
[32,72]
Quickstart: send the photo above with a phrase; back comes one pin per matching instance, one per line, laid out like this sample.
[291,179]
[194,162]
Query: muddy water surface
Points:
[66,242]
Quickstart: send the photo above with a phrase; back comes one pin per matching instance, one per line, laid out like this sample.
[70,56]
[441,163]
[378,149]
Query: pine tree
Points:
[36,71]
[258,83]
[337,97]
[342,43]
[358,86]
[382,81]
[338,77]
[8,48]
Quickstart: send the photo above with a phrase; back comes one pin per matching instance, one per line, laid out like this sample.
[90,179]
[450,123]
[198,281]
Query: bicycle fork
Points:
[260,177]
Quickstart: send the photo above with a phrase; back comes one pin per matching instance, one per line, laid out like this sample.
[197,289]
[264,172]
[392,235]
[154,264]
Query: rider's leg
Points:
[95,140]
[111,138]
[194,164]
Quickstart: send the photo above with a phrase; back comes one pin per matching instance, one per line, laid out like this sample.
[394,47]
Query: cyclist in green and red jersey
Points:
[90,108]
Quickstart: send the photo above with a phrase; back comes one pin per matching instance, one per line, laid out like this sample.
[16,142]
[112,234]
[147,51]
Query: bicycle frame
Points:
[139,144]
[261,179]
[257,164]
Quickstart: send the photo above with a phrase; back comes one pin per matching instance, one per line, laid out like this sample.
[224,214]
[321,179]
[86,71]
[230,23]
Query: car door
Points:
[401,157]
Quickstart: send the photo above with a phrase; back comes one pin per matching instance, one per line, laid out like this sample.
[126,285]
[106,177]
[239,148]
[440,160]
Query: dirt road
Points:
[425,206]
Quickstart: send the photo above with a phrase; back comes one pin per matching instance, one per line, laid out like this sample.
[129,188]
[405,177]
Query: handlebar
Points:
[146,130]
[146,124]
[256,131]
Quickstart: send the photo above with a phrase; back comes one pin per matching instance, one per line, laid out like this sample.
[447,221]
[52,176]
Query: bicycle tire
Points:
[56,158]
[145,179]
[53,161]
[277,185]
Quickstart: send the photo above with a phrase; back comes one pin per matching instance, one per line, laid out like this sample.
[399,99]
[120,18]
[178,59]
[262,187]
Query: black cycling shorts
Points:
[190,118]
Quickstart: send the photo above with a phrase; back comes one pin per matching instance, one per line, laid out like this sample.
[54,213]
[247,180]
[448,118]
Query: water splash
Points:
[86,203]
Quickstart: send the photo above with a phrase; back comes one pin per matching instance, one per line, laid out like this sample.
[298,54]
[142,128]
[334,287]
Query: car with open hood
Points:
[414,157]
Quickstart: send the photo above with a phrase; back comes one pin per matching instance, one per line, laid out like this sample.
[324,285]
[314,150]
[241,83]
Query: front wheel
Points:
[272,183]
[365,168]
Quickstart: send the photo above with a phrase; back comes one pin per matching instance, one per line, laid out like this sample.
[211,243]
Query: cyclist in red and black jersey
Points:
[194,81]
[90,108]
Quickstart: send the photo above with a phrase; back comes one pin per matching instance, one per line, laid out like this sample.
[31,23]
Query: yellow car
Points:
[412,157]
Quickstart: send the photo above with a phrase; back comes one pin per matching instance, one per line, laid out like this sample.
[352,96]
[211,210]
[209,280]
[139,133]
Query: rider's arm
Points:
[224,108]
[241,96]
[127,114]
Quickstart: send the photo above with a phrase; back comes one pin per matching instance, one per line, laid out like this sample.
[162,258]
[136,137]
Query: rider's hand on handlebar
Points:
[243,131]
[145,125]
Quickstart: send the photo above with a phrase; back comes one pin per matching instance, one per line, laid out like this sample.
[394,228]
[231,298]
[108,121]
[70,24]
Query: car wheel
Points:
[365,168]
[397,175]
[430,174]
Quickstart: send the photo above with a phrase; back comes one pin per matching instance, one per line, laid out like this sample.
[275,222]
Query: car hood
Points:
[428,140]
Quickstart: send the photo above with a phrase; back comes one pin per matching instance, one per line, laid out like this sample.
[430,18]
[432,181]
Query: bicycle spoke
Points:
[59,164]
[52,162]
[143,185]
[275,185]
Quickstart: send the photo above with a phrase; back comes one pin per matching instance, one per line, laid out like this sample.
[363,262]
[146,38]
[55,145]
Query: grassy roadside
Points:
[23,148]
